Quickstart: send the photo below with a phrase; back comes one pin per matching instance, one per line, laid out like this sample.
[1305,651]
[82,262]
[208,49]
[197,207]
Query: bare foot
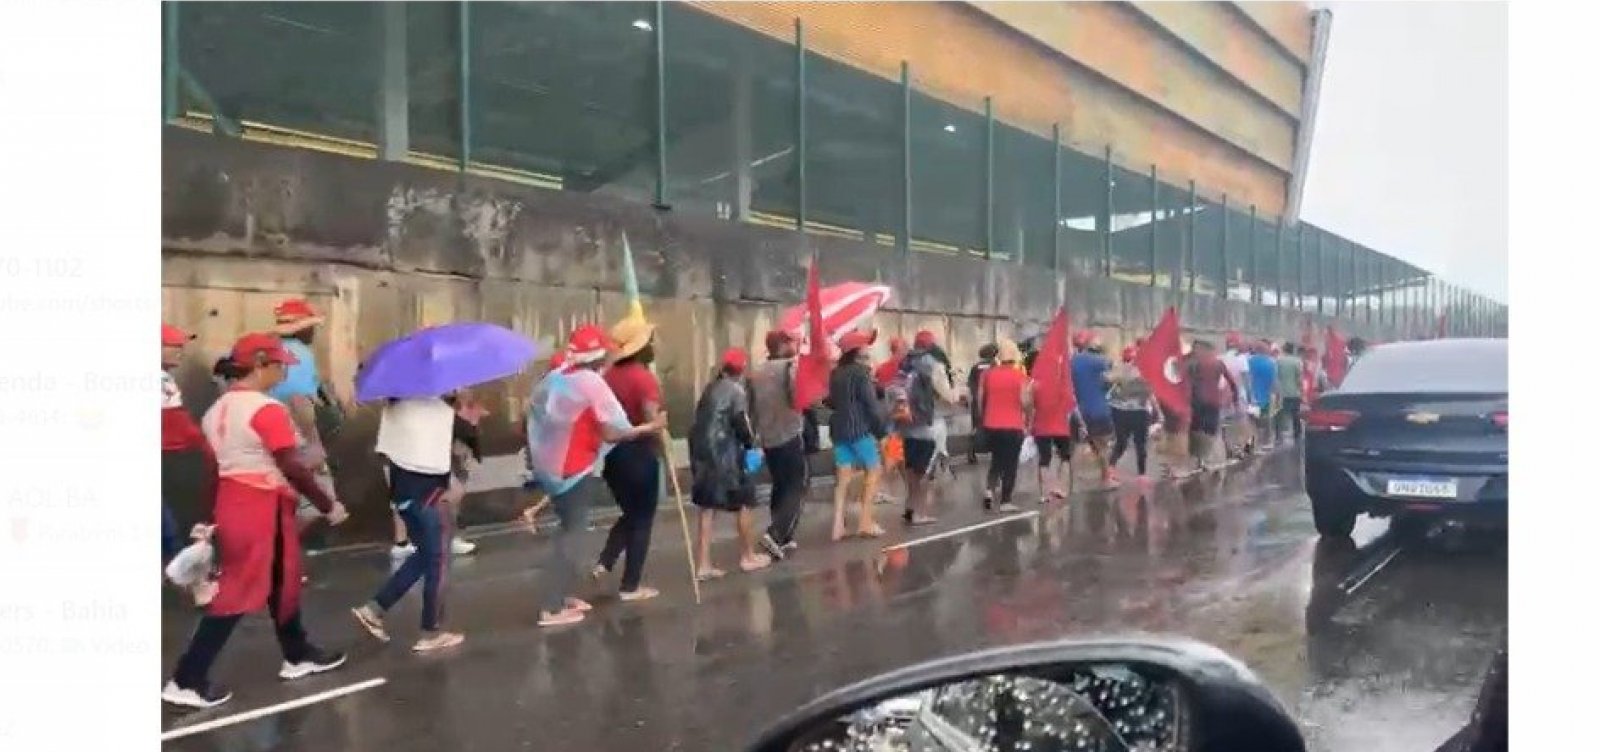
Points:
[870,532]
[710,573]
[838,533]
[754,562]
[576,604]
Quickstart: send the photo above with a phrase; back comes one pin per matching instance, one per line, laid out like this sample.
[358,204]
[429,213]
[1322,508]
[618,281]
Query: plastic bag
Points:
[1030,451]
[752,461]
[192,565]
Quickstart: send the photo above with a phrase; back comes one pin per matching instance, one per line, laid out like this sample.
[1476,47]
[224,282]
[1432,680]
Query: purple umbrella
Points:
[441,359]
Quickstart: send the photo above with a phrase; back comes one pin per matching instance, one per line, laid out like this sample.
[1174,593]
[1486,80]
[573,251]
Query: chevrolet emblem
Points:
[1422,419]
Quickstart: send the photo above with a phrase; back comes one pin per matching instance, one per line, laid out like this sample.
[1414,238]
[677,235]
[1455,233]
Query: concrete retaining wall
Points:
[385,248]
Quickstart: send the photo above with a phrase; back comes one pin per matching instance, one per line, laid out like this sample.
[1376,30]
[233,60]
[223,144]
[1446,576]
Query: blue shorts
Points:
[861,453]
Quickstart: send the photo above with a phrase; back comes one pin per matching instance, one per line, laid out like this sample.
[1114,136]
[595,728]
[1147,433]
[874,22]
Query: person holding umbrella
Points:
[633,469]
[573,419]
[261,472]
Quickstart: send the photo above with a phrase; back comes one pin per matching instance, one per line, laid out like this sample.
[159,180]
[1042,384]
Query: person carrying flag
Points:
[573,420]
[1053,407]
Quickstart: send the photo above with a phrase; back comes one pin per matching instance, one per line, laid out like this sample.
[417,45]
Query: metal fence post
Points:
[1227,273]
[464,85]
[800,123]
[988,178]
[1277,267]
[1255,259]
[1155,225]
[1322,272]
[170,62]
[1055,197]
[1300,267]
[905,158]
[1189,245]
[661,104]
[1105,231]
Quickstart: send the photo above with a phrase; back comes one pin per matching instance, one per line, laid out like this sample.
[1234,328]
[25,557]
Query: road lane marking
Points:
[1030,514]
[182,731]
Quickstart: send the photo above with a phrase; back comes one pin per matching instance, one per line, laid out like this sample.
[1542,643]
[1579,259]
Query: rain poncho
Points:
[717,444]
[566,412]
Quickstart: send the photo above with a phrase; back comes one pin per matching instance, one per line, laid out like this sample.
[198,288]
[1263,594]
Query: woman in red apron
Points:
[260,479]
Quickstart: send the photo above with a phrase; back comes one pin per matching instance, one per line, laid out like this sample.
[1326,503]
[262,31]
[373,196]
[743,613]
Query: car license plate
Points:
[1423,488]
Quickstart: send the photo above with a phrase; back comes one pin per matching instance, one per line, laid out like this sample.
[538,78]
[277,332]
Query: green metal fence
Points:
[660,102]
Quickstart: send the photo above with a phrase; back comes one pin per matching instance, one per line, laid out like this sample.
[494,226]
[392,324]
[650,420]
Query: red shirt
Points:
[1211,380]
[634,385]
[1002,398]
[276,429]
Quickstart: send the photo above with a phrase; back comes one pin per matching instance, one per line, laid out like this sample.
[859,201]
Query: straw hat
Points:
[631,335]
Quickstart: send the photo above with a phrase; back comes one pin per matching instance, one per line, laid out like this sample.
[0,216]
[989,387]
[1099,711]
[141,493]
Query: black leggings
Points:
[1133,424]
[633,473]
[1005,449]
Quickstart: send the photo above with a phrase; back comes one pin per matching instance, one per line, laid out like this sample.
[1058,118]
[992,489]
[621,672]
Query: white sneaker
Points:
[461,546]
[209,696]
[401,553]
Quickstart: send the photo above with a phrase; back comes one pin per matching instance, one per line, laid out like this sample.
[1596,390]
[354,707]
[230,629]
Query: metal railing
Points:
[665,103]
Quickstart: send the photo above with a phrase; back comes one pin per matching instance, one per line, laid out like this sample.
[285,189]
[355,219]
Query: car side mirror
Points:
[1110,695]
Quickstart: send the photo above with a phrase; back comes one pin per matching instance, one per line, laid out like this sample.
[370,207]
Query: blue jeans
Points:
[169,535]
[416,498]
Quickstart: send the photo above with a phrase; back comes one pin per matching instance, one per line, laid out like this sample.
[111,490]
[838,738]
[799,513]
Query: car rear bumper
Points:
[1481,491]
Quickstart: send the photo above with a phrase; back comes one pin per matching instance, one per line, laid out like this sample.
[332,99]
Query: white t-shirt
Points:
[415,434]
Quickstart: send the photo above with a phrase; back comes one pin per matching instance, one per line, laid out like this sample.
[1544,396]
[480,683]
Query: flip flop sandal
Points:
[706,575]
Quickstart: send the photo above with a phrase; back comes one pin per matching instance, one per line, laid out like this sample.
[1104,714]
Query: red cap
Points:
[1233,340]
[294,315]
[777,338]
[897,344]
[588,344]
[923,340]
[1082,337]
[854,341]
[1128,353]
[558,360]
[172,336]
[264,346]
[735,359]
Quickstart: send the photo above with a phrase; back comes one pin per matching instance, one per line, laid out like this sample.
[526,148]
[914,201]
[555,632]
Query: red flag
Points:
[1053,397]
[1335,358]
[1160,362]
[811,372]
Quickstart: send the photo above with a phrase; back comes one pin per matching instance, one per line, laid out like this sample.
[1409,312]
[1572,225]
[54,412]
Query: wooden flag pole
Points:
[683,516]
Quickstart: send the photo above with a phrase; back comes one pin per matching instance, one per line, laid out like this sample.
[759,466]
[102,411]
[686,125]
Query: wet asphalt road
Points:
[1373,644]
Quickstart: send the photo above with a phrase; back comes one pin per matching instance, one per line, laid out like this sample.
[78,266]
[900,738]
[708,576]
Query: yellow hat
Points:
[1008,352]
[631,335]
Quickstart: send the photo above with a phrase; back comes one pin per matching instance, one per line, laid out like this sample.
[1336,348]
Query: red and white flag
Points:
[811,372]
[1160,362]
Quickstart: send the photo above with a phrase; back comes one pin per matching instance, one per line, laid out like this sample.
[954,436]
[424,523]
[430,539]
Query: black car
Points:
[1417,432]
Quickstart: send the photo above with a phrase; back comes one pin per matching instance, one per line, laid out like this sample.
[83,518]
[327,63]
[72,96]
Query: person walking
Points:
[573,420]
[985,362]
[179,433]
[1291,392]
[296,323]
[633,469]
[779,429]
[855,426]
[1053,437]
[921,387]
[1238,431]
[1004,397]
[1090,369]
[1263,392]
[1214,389]
[415,441]
[719,443]
[1133,408]
[259,470]
[893,445]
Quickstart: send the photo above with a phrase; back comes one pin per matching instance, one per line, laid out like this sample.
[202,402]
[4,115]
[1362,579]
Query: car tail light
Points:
[1500,419]
[1330,420]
